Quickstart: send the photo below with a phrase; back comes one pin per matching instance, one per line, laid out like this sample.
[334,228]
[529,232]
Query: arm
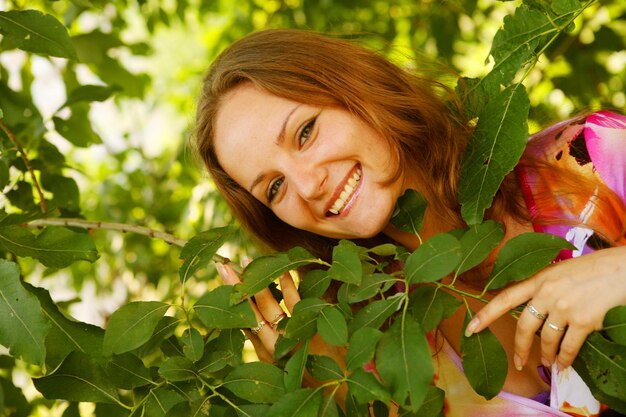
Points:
[575,294]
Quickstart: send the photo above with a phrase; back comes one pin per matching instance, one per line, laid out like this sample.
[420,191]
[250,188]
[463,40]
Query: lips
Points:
[347,192]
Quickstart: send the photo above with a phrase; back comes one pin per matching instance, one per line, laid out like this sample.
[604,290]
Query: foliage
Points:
[173,345]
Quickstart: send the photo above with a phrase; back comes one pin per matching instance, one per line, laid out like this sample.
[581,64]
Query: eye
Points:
[306,131]
[274,188]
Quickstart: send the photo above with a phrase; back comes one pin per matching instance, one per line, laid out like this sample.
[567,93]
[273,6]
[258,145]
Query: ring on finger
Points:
[258,328]
[555,327]
[532,310]
[277,319]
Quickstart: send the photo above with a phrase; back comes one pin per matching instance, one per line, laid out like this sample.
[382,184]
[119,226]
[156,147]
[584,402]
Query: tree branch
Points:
[42,201]
[120,227]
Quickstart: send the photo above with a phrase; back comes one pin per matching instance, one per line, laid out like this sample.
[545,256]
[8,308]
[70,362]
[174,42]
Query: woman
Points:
[313,139]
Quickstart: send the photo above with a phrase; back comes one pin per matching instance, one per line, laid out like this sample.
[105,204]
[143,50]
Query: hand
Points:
[267,310]
[573,295]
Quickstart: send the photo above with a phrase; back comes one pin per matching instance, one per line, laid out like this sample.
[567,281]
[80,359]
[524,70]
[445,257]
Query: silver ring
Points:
[555,327]
[279,317]
[258,328]
[532,310]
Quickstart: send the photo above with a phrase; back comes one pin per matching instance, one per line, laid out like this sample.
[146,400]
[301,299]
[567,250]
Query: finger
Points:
[501,304]
[570,346]
[290,292]
[259,347]
[228,274]
[265,333]
[551,336]
[268,306]
[527,326]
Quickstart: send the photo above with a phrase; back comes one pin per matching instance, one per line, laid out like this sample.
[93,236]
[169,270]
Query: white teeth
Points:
[345,195]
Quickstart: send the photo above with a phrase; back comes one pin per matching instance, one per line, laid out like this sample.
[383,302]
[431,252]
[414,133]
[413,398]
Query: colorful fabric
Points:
[595,146]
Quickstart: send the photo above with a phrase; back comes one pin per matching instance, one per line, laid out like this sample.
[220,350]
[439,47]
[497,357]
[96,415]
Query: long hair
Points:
[419,117]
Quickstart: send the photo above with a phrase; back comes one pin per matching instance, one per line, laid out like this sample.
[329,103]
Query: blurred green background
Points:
[127,159]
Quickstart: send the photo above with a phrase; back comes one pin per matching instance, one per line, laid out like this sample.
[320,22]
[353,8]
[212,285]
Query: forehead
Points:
[247,122]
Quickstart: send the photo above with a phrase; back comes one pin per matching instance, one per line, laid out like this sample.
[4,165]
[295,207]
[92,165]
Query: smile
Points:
[347,192]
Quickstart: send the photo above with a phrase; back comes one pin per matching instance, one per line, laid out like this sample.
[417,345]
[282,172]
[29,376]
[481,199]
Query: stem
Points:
[42,201]
[558,32]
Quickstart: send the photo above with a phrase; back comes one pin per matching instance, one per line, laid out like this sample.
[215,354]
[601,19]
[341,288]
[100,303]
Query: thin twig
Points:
[42,201]
[124,228]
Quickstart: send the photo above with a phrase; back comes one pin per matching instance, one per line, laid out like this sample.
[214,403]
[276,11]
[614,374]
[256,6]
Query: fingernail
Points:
[518,362]
[546,363]
[245,260]
[471,326]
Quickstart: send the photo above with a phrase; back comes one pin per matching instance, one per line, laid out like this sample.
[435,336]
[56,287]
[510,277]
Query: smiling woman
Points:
[312,139]
[319,169]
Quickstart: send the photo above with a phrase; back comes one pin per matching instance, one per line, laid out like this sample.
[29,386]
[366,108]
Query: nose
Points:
[308,180]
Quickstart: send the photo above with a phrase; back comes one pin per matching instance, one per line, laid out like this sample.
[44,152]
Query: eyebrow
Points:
[280,138]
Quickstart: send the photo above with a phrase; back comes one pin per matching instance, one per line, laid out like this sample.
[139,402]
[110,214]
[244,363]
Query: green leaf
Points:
[225,349]
[615,324]
[33,31]
[476,94]
[516,41]
[433,259]
[432,405]
[258,382]
[55,247]
[386,249]
[294,368]
[361,348]
[132,325]
[216,312]
[178,368]
[331,325]
[303,321]
[523,256]
[365,387]
[430,305]
[90,93]
[477,243]
[284,346]
[403,360]
[328,407]
[23,327]
[355,408]
[193,344]
[13,399]
[323,368]
[602,365]
[265,269]
[375,313]
[304,402]
[314,283]
[77,129]
[369,287]
[200,249]
[346,266]
[78,378]
[493,151]
[65,191]
[409,212]
[484,361]
[65,335]
[127,371]
[161,400]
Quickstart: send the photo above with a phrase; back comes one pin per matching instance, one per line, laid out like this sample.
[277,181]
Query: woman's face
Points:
[319,169]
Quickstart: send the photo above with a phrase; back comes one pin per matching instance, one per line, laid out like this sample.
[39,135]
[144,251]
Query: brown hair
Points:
[419,116]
